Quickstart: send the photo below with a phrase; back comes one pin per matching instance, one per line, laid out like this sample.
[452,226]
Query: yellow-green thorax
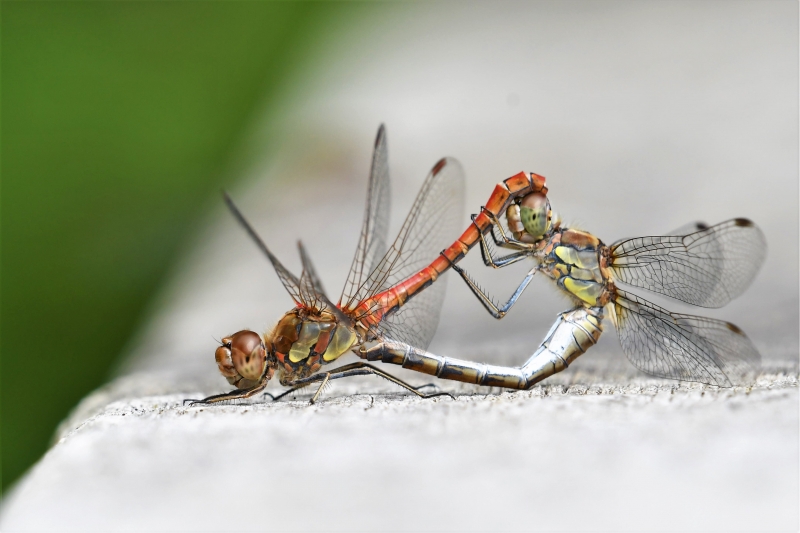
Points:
[573,258]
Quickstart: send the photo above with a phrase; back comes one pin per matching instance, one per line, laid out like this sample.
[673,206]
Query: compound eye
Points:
[534,213]
[223,358]
[247,354]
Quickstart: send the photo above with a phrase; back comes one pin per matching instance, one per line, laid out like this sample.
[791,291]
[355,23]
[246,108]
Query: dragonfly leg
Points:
[239,394]
[500,262]
[503,241]
[369,369]
[321,386]
[573,333]
[356,369]
[291,390]
[232,395]
[491,307]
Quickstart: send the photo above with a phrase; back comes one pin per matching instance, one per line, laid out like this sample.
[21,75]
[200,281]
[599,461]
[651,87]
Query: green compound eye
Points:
[535,220]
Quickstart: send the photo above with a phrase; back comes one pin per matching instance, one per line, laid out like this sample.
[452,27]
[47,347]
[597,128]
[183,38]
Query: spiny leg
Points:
[398,381]
[321,386]
[510,259]
[488,304]
[232,395]
[368,369]
[325,377]
[498,241]
[291,390]
[503,241]
[357,369]
[494,310]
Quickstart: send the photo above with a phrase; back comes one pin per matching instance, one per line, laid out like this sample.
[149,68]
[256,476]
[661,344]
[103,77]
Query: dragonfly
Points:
[390,295]
[701,265]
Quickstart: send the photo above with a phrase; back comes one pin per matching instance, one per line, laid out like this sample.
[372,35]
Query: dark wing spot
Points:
[743,222]
[734,328]
[439,166]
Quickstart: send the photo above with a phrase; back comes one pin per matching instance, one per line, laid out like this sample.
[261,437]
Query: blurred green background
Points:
[118,124]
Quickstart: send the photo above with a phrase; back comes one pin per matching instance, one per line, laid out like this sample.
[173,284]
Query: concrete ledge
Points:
[593,454]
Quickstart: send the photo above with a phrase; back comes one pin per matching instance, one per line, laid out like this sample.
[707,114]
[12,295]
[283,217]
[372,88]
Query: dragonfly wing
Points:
[312,291]
[375,228]
[683,347]
[290,282]
[415,322]
[707,268]
[686,229]
[435,217]
[691,227]
[310,285]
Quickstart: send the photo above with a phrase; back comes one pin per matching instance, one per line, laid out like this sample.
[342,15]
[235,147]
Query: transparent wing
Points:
[375,228]
[290,282]
[691,227]
[433,222]
[311,289]
[683,347]
[310,285]
[686,229]
[707,268]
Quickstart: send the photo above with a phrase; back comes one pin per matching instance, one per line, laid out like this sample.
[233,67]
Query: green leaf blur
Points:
[117,123]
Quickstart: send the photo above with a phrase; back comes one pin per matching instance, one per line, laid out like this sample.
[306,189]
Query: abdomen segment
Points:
[573,333]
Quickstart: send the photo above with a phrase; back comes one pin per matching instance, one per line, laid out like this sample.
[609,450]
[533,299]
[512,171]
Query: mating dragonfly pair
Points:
[389,308]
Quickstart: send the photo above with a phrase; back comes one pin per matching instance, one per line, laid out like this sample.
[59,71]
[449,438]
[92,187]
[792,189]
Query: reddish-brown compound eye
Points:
[223,358]
[248,354]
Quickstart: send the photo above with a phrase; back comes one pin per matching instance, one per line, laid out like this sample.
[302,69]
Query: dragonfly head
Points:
[243,358]
[531,218]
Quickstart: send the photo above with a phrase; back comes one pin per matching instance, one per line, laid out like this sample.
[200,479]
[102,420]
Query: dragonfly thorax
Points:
[576,261]
[304,340]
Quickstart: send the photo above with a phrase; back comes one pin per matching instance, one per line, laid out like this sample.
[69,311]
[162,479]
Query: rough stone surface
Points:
[594,454]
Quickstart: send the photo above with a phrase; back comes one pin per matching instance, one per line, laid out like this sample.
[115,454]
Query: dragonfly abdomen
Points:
[418,360]
[573,333]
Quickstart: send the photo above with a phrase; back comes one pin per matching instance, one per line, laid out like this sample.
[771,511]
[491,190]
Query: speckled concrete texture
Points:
[643,455]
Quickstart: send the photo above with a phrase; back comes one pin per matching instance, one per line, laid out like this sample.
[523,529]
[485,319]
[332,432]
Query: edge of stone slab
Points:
[125,391]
